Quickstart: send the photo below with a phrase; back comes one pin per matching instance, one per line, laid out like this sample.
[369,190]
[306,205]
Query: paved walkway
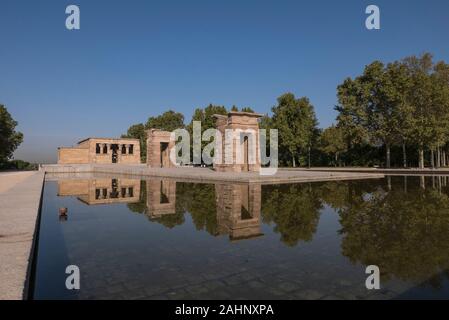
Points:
[207,175]
[10,179]
[391,171]
[20,195]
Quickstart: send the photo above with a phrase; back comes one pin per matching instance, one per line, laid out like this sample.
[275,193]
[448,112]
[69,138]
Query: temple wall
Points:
[239,122]
[73,155]
[85,152]
[154,140]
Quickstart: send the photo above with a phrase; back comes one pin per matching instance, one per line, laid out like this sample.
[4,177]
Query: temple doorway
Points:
[245,154]
[114,148]
[165,159]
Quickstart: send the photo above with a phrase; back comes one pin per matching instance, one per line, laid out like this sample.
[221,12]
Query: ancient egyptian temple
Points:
[236,151]
[101,150]
[240,138]
[158,148]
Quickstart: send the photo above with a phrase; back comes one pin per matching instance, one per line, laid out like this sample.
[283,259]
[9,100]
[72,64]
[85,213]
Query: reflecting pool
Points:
[162,239]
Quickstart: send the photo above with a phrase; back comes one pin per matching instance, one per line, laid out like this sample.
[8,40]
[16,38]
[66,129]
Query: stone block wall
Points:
[155,138]
[73,155]
[242,124]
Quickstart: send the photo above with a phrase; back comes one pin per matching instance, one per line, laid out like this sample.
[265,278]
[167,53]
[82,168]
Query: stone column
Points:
[108,148]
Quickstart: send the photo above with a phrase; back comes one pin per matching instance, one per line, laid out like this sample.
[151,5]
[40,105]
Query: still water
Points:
[162,239]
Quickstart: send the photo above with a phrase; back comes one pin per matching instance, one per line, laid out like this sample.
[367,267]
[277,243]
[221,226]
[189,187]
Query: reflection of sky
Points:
[133,61]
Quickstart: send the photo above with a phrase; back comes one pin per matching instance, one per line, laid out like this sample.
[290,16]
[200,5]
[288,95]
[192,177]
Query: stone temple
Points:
[237,147]
[101,150]
[245,140]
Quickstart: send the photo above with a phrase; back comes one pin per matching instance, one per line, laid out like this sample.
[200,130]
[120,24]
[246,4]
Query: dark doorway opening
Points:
[114,148]
[164,197]
[246,154]
[164,155]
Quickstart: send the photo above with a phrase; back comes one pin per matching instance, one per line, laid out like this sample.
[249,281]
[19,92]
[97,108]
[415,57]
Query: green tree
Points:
[168,121]
[10,139]
[296,121]
[399,87]
[351,116]
[247,109]
[137,131]
[369,107]
[332,142]
[205,116]
[440,86]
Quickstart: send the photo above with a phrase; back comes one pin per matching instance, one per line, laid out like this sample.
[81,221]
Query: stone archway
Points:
[158,148]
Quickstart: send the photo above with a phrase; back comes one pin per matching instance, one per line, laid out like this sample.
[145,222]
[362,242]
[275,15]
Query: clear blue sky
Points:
[135,59]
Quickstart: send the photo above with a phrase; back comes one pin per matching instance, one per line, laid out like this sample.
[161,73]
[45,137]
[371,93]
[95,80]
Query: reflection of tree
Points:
[170,220]
[405,233]
[294,209]
[199,201]
[337,193]
[141,206]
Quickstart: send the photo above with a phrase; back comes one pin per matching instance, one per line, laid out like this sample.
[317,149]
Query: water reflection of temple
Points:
[101,191]
[238,210]
[161,198]
[237,213]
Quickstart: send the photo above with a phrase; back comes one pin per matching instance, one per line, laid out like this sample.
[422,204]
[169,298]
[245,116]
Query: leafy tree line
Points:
[10,139]
[295,119]
[402,105]
[392,114]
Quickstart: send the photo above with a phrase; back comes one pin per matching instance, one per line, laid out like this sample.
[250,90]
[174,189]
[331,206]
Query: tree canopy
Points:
[10,139]
[168,121]
[297,124]
[392,114]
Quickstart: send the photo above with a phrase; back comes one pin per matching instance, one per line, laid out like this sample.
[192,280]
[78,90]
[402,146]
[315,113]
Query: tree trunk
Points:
[438,157]
[432,159]
[294,161]
[336,159]
[387,147]
[404,155]
[443,157]
[309,158]
[421,158]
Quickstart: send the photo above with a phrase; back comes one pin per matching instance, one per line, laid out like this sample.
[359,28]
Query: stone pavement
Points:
[391,171]
[206,175]
[10,179]
[20,195]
